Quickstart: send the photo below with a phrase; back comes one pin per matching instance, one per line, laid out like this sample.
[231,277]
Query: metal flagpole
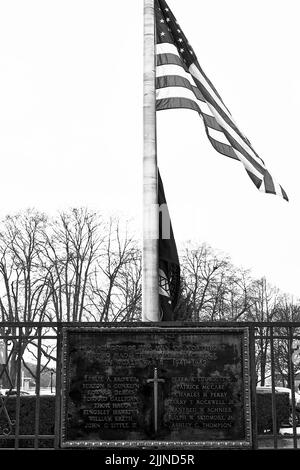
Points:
[150,309]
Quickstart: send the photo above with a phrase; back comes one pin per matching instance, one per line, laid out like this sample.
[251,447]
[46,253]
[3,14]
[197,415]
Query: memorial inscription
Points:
[150,385]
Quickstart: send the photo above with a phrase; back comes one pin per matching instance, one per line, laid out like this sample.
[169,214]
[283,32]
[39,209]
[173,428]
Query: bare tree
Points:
[24,286]
[116,283]
[213,289]
[288,311]
[129,286]
[71,248]
[264,307]
[199,269]
[237,299]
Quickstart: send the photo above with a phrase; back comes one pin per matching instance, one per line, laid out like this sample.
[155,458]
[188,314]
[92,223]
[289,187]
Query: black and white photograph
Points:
[149,230]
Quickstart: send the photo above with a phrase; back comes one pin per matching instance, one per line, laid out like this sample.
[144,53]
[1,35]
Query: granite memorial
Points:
[156,386]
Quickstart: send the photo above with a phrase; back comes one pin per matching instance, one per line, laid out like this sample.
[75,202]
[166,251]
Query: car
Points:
[264,403]
[289,391]
[13,391]
[268,390]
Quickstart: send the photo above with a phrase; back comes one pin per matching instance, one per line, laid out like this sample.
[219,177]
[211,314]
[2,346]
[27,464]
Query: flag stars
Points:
[162,34]
[162,21]
[181,50]
[168,20]
[180,40]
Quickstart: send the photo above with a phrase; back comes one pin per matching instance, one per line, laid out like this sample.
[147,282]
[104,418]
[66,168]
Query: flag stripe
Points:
[171,70]
[257,171]
[195,72]
[269,185]
[169,65]
[224,149]
[182,92]
[176,80]
[169,93]
[234,135]
[184,103]
[172,59]
[218,136]
[212,86]
[249,163]
[210,121]
[227,146]
[255,180]
[166,48]
[283,193]
[167,51]
[177,103]
[228,118]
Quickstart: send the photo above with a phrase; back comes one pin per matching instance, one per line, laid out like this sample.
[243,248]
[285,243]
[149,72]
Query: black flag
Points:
[169,269]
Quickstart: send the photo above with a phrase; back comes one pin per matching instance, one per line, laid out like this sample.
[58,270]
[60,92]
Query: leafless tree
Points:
[265,299]
[70,251]
[24,286]
[288,311]
[213,289]
[74,267]
[116,284]
[129,286]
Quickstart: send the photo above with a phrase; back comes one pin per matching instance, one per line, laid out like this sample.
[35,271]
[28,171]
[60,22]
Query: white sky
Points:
[71,108]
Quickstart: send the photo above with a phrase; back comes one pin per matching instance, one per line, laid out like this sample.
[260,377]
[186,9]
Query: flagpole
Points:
[150,307]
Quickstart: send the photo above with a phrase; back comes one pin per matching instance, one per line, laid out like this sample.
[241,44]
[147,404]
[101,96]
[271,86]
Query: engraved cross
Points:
[155,381]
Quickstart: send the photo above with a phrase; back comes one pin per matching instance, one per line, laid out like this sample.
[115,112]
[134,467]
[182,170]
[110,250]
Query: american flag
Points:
[181,83]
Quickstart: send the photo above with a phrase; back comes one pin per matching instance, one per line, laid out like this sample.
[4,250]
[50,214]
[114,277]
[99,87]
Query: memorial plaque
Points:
[156,386]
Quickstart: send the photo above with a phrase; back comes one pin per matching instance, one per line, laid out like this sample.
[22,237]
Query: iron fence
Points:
[30,382]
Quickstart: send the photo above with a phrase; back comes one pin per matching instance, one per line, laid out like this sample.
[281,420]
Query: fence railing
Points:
[30,382]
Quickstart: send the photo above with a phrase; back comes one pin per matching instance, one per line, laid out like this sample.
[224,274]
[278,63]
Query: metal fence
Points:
[22,344]
[276,353]
[30,364]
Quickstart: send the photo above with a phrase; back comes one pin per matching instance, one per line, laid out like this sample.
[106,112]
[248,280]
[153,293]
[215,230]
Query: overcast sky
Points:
[71,108]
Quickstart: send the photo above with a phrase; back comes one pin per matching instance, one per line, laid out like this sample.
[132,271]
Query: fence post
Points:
[38,390]
[18,387]
[292,384]
[274,404]
[58,388]
[253,387]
